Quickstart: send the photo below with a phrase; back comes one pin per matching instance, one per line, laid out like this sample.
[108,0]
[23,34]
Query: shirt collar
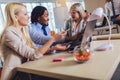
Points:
[38,24]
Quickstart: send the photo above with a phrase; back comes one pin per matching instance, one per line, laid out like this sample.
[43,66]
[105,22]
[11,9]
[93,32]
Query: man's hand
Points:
[118,18]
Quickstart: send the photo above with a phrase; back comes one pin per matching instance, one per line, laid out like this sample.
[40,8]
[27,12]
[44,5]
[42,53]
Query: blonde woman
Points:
[76,24]
[16,44]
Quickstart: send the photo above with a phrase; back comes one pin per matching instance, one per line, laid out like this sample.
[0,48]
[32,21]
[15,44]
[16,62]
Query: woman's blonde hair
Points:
[11,10]
[78,7]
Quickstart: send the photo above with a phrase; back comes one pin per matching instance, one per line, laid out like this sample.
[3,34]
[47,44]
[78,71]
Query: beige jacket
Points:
[15,50]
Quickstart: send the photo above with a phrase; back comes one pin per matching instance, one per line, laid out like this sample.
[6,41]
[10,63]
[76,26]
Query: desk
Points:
[105,37]
[100,30]
[100,66]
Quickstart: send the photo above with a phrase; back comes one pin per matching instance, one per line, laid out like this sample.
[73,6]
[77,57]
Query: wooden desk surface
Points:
[105,37]
[105,27]
[100,66]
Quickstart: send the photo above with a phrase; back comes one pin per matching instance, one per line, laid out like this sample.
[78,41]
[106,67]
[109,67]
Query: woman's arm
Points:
[15,41]
[71,38]
[37,36]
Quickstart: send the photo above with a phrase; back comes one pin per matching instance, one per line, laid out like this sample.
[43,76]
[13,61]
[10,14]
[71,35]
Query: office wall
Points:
[90,5]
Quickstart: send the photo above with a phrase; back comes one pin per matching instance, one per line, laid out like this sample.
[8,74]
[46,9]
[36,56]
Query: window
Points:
[30,6]
[2,17]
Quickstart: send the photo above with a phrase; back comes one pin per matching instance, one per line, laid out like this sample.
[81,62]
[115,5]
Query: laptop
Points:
[85,39]
[87,36]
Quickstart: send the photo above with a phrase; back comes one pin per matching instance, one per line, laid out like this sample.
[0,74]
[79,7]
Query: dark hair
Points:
[108,0]
[36,12]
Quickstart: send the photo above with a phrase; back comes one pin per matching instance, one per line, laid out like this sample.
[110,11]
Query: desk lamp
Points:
[97,14]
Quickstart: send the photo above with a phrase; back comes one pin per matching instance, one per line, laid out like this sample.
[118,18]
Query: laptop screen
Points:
[88,33]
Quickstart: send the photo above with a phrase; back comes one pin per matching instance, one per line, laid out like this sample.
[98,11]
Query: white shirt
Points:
[78,29]
[108,7]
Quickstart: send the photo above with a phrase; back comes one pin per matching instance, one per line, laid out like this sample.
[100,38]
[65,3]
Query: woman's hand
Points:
[60,47]
[57,37]
[86,16]
[63,33]
[60,35]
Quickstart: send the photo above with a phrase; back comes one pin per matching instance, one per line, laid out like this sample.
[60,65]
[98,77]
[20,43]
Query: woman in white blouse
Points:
[76,23]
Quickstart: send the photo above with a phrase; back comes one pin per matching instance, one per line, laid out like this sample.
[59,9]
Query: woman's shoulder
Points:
[12,30]
[35,24]
[69,20]
[11,33]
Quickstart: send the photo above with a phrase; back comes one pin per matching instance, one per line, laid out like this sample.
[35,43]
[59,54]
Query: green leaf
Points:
[80,51]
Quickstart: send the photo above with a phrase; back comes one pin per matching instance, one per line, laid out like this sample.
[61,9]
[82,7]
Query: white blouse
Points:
[79,28]
[108,7]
